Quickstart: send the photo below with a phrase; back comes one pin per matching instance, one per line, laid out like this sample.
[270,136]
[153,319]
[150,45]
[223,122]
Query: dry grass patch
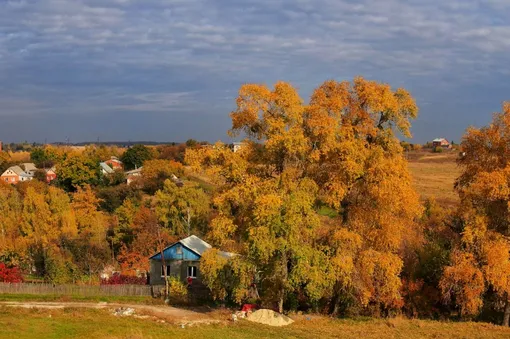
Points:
[434,176]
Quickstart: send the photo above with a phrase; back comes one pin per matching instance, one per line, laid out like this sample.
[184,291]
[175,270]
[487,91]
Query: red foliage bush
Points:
[120,279]
[10,274]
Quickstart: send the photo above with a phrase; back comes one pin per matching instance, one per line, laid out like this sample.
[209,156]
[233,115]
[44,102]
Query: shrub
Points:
[10,275]
[120,279]
[406,146]
[177,288]
[438,149]
[60,269]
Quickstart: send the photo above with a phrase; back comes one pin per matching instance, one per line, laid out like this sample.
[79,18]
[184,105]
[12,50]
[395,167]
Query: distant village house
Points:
[133,174]
[114,163]
[29,168]
[441,142]
[15,174]
[50,174]
[105,168]
[26,172]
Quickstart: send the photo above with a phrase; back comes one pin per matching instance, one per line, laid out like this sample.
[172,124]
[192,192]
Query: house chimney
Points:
[0,145]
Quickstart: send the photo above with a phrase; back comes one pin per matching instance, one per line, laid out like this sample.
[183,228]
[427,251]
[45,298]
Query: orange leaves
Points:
[487,150]
[275,117]
[377,102]
[464,283]
[379,278]
[484,188]
[158,167]
[90,221]
[323,116]
[497,267]
[252,102]
[267,208]
[339,150]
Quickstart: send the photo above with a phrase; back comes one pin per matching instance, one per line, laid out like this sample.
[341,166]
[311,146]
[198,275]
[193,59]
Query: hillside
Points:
[434,175]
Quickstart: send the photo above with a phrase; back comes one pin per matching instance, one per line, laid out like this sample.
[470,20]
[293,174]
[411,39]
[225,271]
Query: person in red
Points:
[190,280]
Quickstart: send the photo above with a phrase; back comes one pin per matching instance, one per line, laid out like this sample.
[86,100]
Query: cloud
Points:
[89,56]
[155,102]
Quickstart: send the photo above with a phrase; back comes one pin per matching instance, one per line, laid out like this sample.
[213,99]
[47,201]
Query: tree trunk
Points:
[189,222]
[113,253]
[163,263]
[283,282]
[506,316]
[335,310]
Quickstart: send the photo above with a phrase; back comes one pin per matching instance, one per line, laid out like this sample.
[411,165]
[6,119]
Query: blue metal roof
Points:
[173,253]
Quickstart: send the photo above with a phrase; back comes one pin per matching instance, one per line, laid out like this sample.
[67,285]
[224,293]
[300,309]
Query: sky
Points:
[160,70]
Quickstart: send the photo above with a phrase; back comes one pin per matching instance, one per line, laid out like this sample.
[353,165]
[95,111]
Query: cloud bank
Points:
[169,70]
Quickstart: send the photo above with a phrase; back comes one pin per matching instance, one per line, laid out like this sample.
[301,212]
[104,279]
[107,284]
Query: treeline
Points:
[86,221]
[317,203]
[380,251]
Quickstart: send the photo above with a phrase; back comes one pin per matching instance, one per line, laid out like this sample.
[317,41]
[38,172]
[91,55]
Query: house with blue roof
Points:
[182,260]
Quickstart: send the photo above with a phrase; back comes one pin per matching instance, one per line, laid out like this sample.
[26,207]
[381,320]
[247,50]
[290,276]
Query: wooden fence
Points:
[77,290]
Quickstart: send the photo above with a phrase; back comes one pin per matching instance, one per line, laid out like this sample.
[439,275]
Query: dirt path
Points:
[167,313]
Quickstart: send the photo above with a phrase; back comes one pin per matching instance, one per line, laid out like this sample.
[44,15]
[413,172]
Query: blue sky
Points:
[170,70]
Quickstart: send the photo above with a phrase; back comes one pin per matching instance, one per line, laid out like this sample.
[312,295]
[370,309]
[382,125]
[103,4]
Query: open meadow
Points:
[434,175]
[74,323]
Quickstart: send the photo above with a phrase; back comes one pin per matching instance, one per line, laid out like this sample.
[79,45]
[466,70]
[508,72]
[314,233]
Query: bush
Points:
[120,279]
[438,149]
[60,269]
[10,275]
[406,146]
[177,288]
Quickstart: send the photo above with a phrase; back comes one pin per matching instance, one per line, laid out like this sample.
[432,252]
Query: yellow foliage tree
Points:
[341,150]
[482,259]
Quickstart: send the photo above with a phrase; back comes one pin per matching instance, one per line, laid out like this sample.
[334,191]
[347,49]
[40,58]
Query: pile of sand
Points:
[270,318]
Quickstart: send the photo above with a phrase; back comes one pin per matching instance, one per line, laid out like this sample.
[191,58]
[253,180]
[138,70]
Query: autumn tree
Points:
[136,155]
[101,152]
[47,156]
[172,152]
[77,170]
[339,150]
[90,244]
[481,260]
[182,209]
[134,256]
[121,232]
[358,163]
[4,158]
[11,249]
[155,172]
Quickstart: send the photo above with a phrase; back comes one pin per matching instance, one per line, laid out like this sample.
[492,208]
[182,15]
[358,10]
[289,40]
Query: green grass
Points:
[73,323]
[205,185]
[327,211]
[57,297]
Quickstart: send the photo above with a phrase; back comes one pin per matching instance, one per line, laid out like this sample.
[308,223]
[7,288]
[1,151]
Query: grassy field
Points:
[72,323]
[434,175]
[66,298]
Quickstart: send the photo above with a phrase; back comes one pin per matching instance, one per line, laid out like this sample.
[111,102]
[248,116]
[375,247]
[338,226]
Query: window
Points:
[167,270]
[192,271]
[178,249]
